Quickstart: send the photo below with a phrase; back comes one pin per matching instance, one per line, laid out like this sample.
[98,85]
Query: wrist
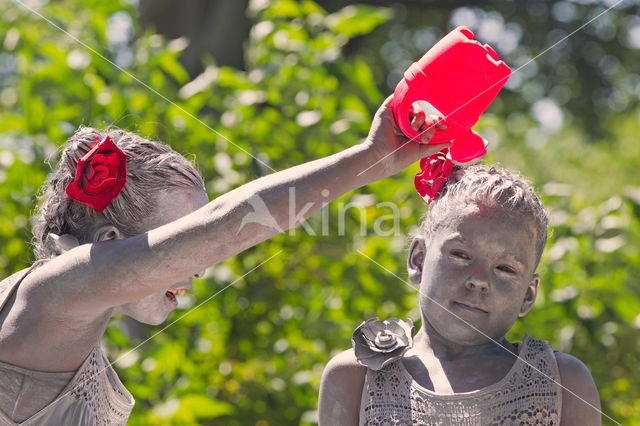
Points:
[367,163]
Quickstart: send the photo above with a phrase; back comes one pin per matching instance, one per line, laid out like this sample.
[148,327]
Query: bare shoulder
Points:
[341,390]
[580,399]
[344,366]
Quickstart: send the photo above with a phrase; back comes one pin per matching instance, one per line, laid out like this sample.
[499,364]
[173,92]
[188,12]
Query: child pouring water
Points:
[123,226]
[474,260]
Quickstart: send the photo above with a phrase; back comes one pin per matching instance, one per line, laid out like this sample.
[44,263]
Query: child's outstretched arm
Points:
[92,278]
[580,400]
[341,391]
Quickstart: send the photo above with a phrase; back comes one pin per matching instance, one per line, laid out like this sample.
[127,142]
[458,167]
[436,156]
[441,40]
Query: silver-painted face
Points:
[480,267]
[155,308]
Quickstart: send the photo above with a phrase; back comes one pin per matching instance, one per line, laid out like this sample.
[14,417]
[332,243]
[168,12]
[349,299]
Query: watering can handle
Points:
[402,105]
[467,145]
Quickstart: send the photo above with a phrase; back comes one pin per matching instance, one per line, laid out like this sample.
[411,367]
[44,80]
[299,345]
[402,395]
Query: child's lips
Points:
[171,297]
[179,291]
[173,292]
[471,308]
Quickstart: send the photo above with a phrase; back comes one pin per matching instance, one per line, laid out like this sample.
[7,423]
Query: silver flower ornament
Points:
[377,343]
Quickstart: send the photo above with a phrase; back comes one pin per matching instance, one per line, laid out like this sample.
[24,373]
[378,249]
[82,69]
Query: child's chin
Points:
[468,336]
[156,319]
[475,340]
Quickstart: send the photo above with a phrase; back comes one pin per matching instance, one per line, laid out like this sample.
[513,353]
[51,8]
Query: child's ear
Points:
[106,233]
[530,295]
[415,260]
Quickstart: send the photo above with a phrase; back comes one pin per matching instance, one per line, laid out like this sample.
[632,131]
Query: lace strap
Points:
[98,386]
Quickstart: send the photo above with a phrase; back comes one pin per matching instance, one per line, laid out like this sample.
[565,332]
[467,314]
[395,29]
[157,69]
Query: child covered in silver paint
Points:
[474,260]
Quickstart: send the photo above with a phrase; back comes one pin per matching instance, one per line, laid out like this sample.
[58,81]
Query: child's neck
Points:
[429,340]
[447,367]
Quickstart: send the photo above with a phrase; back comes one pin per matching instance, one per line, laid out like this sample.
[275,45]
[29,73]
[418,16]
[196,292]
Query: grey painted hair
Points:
[491,187]
[152,167]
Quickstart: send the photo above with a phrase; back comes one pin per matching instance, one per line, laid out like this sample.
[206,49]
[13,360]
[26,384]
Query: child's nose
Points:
[478,281]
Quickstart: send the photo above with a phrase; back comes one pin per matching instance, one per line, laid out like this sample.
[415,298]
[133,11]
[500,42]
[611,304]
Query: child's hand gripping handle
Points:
[468,145]
[402,105]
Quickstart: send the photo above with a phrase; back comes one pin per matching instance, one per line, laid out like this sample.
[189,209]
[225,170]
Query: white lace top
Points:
[92,395]
[529,394]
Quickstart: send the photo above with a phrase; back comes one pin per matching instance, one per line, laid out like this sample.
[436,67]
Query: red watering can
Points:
[459,76]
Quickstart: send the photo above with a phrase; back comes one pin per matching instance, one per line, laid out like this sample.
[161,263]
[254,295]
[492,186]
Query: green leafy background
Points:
[254,354]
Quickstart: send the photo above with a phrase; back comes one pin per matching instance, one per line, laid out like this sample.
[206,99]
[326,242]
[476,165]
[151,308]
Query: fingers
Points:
[426,135]
[435,121]
[417,118]
[426,125]
[421,124]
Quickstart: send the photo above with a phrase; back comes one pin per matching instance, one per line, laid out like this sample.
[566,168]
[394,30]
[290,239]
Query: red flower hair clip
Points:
[435,171]
[100,175]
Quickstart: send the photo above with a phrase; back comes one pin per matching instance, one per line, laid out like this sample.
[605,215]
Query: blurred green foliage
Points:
[252,350]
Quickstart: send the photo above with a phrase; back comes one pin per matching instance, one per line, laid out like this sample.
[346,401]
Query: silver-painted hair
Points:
[152,167]
[491,187]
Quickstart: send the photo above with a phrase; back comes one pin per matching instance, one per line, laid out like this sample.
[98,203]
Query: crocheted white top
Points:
[92,395]
[530,394]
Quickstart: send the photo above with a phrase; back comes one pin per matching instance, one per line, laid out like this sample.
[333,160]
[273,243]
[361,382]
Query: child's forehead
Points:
[476,220]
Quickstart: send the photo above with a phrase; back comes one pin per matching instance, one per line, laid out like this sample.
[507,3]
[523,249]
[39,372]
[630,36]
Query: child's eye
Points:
[460,254]
[506,268]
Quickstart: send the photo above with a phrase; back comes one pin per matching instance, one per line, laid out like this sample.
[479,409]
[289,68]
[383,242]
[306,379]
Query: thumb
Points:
[386,104]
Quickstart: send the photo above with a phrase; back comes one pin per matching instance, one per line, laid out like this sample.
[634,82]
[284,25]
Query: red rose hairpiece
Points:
[100,175]
[435,171]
